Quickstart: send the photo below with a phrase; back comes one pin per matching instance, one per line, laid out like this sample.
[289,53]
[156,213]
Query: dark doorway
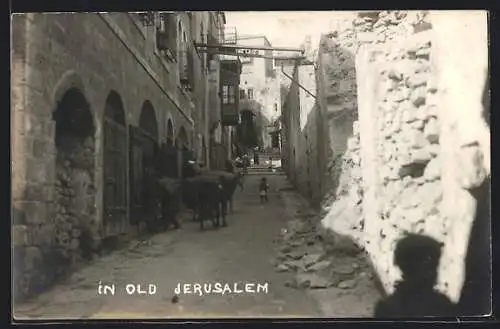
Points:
[247,130]
[143,156]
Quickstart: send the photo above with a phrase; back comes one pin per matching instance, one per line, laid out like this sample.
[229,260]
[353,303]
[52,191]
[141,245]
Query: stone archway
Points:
[147,120]
[115,166]
[76,229]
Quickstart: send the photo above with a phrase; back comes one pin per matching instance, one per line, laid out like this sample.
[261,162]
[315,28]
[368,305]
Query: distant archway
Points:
[247,130]
[182,139]
[170,133]
[114,108]
[147,120]
[203,149]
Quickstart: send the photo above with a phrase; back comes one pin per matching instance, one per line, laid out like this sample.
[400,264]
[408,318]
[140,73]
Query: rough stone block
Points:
[352,144]
[20,236]
[41,148]
[395,74]
[366,37]
[37,168]
[355,128]
[399,95]
[423,53]
[418,96]
[421,114]
[32,258]
[432,192]
[421,156]
[33,212]
[432,85]
[431,131]
[38,192]
[471,172]
[417,80]
[434,149]
[43,235]
[433,170]
[408,115]
[347,284]
[418,124]
[414,138]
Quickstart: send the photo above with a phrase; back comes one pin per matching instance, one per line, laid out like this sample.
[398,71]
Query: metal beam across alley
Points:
[250,55]
[236,47]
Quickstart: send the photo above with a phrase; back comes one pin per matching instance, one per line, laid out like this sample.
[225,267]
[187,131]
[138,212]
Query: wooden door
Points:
[115,178]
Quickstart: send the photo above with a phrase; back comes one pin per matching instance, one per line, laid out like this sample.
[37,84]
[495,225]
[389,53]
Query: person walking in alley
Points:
[418,258]
[263,189]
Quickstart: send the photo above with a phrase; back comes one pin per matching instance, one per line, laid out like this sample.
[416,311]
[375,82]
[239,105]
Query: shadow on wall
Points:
[476,292]
[418,258]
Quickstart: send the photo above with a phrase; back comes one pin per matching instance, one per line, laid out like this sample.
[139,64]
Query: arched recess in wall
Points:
[170,133]
[75,167]
[147,120]
[247,129]
[203,149]
[143,163]
[115,166]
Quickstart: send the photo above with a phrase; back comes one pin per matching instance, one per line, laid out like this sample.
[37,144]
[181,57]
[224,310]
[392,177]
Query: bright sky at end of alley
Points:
[286,28]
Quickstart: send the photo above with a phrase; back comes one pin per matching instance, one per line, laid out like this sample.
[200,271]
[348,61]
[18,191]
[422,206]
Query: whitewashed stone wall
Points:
[420,142]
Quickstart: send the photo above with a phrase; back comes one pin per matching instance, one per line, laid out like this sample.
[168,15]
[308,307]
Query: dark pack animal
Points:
[209,194]
[211,201]
[229,181]
[203,195]
[162,202]
[168,193]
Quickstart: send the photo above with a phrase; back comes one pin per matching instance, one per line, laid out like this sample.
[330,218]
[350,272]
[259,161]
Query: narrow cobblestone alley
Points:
[243,252]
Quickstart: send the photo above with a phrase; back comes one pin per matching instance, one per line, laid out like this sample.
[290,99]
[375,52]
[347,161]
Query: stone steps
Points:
[264,170]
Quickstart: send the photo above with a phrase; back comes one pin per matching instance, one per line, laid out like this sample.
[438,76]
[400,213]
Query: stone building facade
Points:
[92,95]
[259,88]
[415,143]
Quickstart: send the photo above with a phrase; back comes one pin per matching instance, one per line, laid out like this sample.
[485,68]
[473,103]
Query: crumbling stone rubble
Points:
[320,258]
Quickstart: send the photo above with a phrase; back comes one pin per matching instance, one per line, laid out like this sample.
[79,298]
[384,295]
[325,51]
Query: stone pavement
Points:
[243,253]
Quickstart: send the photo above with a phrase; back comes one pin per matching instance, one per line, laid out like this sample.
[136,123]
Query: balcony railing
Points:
[185,101]
[230,36]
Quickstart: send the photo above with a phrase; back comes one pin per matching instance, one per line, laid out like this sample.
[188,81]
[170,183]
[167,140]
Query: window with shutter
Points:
[225,94]
[164,38]
[147,18]
[232,95]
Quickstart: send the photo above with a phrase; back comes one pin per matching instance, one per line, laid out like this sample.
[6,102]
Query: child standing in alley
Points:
[263,188]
